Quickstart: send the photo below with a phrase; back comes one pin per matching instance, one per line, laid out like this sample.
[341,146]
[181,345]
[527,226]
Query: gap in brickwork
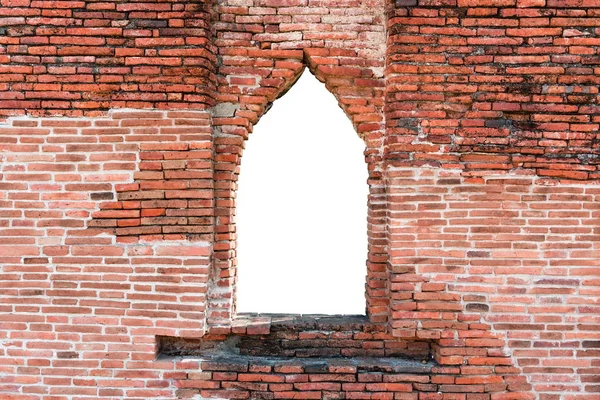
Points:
[302,208]
[302,338]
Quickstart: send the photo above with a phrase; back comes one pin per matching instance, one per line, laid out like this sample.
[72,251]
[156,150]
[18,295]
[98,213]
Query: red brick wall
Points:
[495,85]
[123,129]
[81,57]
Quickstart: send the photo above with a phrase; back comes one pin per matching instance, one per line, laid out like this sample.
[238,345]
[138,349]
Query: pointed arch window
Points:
[301,209]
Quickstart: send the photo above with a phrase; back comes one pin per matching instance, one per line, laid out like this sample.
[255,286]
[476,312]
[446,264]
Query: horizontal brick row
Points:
[239,379]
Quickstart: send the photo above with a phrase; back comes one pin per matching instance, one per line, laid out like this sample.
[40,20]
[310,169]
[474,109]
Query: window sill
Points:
[277,337]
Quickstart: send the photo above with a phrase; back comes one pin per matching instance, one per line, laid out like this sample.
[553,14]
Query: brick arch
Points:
[246,94]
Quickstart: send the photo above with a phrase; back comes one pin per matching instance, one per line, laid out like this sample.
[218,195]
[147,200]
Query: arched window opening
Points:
[301,209]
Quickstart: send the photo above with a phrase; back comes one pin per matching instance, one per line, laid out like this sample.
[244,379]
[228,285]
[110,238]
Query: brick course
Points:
[123,128]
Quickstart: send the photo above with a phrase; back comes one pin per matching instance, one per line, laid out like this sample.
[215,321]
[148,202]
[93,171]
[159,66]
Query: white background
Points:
[302,208]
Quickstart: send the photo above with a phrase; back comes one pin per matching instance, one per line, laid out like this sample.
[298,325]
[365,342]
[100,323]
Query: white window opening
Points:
[301,209]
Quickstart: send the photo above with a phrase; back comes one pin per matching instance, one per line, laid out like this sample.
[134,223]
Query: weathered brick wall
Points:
[486,86]
[81,57]
[509,259]
[123,128]
[486,100]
